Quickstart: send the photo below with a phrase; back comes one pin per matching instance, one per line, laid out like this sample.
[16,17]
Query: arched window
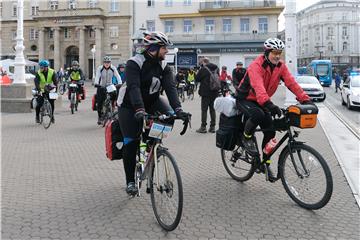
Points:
[345,46]
[330,46]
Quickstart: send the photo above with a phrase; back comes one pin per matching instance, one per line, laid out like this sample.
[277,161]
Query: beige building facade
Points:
[63,31]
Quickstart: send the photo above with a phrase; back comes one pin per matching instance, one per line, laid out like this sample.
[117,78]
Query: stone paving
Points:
[58,184]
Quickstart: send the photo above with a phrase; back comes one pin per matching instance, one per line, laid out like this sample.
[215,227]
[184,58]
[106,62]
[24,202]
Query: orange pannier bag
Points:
[303,116]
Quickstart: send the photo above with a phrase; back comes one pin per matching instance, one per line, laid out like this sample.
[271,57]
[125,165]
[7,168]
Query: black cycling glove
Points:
[272,108]
[183,115]
[140,114]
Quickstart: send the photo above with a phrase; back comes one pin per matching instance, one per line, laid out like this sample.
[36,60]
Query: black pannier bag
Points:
[229,131]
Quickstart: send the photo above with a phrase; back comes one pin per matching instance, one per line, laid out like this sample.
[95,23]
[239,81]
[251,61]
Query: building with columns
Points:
[330,29]
[222,30]
[62,31]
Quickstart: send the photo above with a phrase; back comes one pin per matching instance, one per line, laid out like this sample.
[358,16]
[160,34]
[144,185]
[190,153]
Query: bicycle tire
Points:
[230,167]
[301,150]
[46,116]
[166,192]
[72,102]
[61,89]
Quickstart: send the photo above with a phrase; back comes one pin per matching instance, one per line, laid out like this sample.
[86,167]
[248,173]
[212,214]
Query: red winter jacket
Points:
[260,83]
[224,76]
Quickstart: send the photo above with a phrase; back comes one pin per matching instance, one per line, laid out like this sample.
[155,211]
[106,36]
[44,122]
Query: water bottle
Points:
[143,154]
[270,146]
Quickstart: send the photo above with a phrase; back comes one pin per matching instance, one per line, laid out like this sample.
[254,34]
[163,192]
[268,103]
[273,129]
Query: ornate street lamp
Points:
[19,63]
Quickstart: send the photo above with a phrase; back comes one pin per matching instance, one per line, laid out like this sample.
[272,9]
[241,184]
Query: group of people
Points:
[147,75]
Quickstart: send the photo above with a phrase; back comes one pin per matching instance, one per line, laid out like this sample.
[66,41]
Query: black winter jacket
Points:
[203,76]
[145,77]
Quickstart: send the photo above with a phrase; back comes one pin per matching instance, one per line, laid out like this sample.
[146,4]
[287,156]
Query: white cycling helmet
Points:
[274,44]
[156,38]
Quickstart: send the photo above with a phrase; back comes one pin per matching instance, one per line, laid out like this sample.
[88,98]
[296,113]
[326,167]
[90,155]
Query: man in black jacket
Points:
[207,96]
[146,73]
[238,74]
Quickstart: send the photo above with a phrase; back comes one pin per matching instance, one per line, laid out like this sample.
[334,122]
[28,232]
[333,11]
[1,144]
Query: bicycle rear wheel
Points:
[238,164]
[46,115]
[311,186]
[167,194]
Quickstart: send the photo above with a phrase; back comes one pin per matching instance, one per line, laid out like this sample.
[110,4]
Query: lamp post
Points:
[176,50]
[19,63]
[318,48]
[93,50]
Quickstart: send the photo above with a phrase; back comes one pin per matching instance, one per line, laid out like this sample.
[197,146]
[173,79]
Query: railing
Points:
[69,13]
[224,37]
[216,4]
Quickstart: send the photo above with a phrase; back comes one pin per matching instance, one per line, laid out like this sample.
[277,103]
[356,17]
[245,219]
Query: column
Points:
[98,43]
[19,63]
[82,58]
[41,43]
[290,50]
[57,59]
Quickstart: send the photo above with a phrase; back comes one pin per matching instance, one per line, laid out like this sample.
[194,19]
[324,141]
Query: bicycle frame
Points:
[291,136]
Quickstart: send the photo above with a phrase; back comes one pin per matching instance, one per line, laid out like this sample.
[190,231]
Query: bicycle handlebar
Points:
[164,117]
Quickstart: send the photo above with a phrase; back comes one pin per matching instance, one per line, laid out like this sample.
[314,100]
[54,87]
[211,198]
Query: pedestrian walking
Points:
[238,74]
[207,95]
[337,82]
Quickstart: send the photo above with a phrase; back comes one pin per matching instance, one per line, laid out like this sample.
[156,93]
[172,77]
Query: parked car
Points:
[350,91]
[312,87]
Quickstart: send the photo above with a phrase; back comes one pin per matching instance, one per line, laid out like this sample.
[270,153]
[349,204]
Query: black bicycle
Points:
[46,113]
[191,90]
[160,170]
[181,91]
[304,173]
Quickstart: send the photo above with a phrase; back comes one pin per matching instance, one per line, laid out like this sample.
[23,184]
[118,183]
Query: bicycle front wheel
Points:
[238,164]
[46,115]
[307,178]
[166,191]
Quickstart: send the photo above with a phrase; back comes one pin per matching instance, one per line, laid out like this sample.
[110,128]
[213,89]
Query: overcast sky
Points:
[300,5]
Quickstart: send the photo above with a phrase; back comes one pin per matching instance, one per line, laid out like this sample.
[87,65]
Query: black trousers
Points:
[40,102]
[131,130]
[208,103]
[258,117]
[100,98]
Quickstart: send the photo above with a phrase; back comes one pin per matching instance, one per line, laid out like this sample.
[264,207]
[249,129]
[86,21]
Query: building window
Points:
[150,25]
[91,33]
[227,25]
[114,31]
[244,25]
[0,9]
[114,5]
[344,16]
[187,26]
[67,33]
[51,34]
[345,46]
[169,26]
[344,31]
[187,2]
[92,3]
[53,4]
[330,47]
[34,34]
[263,25]
[209,26]
[151,3]
[14,10]
[330,31]
[72,4]
[168,3]
[34,10]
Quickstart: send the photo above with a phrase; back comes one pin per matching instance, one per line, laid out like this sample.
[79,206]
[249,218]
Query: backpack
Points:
[214,80]
[113,140]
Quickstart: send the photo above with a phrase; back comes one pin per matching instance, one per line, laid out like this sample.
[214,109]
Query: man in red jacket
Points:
[255,90]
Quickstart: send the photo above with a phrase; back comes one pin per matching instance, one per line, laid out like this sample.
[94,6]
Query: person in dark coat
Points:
[337,82]
[238,74]
[207,96]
